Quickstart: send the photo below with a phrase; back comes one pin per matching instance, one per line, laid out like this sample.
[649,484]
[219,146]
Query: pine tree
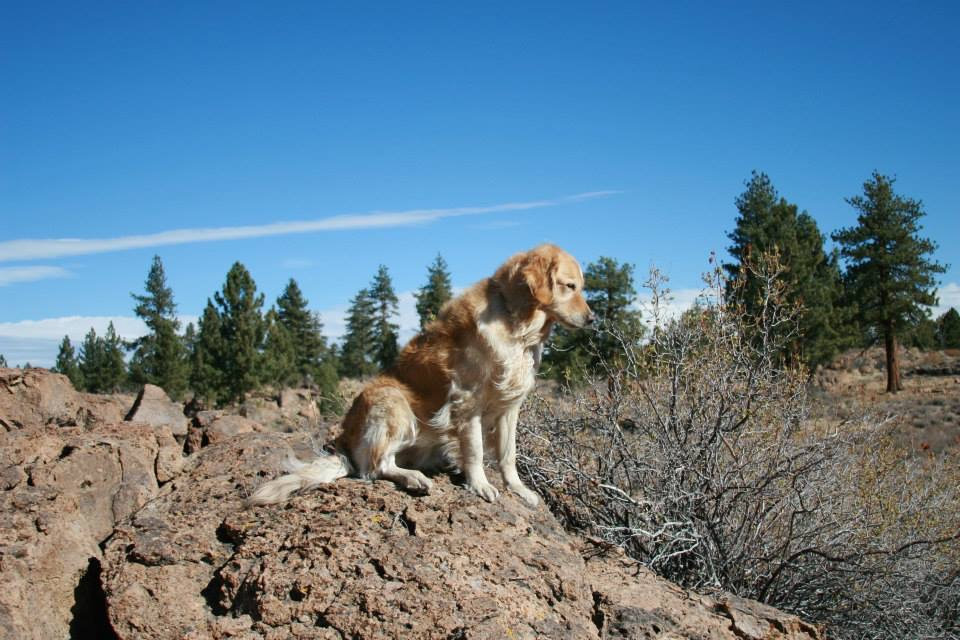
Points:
[279,353]
[768,224]
[159,357]
[609,290]
[434,294]
[242,331]
[306,331]
[91,362]
[385,331]
[948,329]
[889,276]
[67,363]
[3,361]
[114,367]
[357,355]
[206,357]
[101,364]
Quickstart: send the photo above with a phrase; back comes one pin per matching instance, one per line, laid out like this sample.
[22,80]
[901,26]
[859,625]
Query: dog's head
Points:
[547,278]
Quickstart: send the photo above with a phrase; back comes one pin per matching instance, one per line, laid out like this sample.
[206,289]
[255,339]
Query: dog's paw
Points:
[416,482]
[484,489]
[528,496]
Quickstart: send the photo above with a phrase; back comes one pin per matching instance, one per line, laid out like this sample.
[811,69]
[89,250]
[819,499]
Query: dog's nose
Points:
[591,318]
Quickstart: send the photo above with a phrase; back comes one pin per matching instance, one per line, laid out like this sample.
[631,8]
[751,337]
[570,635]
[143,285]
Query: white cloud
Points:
[38,341]
[11,275]
[35,249]
[676,302]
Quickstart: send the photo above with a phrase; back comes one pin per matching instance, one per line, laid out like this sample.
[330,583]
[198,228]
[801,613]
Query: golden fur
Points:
[457,387]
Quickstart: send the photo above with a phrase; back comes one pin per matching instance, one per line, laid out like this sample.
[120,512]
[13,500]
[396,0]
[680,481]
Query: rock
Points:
[226,427]
[155,408]
[38,397]
[300,403]
[361,559]
[264,411]
[64,490]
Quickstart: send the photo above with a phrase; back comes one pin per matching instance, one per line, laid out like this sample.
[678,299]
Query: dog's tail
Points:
[301,476]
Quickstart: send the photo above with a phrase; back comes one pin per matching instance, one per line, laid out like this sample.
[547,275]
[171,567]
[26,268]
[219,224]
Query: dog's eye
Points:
[571,286]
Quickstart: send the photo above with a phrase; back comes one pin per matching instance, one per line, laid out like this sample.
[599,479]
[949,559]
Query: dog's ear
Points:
[537,273]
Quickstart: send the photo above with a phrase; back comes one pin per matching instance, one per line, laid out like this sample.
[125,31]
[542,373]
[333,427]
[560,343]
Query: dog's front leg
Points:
[471,460]
[506,441]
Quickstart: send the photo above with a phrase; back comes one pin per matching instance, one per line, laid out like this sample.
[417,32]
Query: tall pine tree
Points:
[159,357]
[768,224]
[67,363]
[609,290]
[279,353]
[101,364]
[206,359]
[890,276]
[313,359]
[433,295]
[242,330]
[358,352]
[3,361]
[385,331]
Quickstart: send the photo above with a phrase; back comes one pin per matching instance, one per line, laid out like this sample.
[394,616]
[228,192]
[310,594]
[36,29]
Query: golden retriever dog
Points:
[456,388]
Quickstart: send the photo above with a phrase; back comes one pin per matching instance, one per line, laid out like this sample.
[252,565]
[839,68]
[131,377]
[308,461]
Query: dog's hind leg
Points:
[389,427]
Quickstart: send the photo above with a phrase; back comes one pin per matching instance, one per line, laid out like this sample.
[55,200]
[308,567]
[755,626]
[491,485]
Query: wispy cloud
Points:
[57,248]
[12,275]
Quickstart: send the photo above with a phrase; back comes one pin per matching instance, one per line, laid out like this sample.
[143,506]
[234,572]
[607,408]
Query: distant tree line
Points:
[876,285]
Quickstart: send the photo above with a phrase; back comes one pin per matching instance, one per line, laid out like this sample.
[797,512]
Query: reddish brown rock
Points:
[64,489]
[154,407]
[360,559]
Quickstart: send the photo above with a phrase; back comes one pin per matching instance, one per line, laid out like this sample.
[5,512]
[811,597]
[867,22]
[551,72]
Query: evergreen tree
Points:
[609,290]
[114,367]
[3,361]
[768,224]
[242,330]
[279,353]
[67,363]
[385,331]
[91,362]
[889,276]
[948,330]
[358,353]
[206,357]
[310,349]
[159,357]
[101,364]
[434,294]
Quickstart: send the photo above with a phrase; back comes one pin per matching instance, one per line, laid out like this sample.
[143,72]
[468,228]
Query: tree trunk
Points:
[893,366]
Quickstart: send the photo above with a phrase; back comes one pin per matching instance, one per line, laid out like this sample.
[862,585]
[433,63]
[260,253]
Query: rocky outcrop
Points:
[106,530]
[154,407]
[36,397]
[63,490]
[362,560]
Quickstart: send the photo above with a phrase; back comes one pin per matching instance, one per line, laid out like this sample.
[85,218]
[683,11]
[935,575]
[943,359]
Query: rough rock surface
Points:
[106,530]
[362,560]
[35,397]
[155,408]
[62,490]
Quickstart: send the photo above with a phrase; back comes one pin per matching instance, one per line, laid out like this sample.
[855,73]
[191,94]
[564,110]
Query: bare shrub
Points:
[698,455]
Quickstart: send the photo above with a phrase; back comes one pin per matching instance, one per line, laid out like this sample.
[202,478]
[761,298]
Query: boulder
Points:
[38,397]
[154,407]
[359,559]
[226,427]
[64,489]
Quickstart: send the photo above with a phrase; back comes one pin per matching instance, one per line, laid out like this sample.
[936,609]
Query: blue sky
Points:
[124,120]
